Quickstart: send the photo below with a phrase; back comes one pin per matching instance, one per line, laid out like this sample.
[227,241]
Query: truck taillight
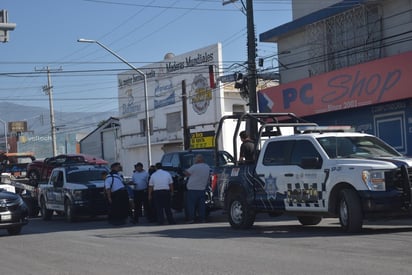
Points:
[213,182]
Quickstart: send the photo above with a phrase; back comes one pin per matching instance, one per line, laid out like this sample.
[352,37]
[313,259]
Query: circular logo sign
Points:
[201,94]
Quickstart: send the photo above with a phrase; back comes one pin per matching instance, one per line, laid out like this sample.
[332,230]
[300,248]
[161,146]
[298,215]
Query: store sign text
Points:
[369,83]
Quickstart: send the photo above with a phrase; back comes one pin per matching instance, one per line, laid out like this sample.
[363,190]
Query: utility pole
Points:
[48,90]
[5,26]
[251,60]
[146,97]
[5,134]
[186,130]
[251,126]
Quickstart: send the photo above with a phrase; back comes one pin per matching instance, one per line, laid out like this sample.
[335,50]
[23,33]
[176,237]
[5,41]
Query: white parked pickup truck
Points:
[73,191]
[315,172]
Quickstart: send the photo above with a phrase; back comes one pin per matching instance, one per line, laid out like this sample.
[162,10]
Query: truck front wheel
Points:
[350,211]
[45,213]
[68,210]
[241,215]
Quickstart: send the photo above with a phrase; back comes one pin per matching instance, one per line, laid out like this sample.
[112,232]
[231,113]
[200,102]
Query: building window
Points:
[143,126]
[238,109]
[173,122]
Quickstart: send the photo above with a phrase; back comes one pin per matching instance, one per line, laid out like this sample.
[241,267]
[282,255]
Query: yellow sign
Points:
[202,140]
[18,126]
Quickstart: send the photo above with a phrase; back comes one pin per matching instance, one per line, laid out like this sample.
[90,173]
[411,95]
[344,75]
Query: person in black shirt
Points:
[247,149]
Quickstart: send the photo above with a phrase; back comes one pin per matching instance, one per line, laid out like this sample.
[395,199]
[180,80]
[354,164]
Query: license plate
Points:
[6,217]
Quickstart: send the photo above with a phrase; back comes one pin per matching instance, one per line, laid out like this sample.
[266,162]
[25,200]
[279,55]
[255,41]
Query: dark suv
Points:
[13,212]
[177,162]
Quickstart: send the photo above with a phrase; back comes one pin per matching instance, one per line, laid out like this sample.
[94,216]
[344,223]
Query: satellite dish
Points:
[169,56]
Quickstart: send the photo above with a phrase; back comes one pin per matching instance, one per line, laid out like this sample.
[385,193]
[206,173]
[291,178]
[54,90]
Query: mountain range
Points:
[70,127]
[38,118]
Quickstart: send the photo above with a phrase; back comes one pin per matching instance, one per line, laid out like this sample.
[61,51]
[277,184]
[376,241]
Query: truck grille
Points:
[401,180]
[95,198]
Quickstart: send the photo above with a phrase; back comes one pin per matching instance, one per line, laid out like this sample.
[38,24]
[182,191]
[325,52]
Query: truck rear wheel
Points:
[45,213]
[309,220]
[350,211]
[241,215]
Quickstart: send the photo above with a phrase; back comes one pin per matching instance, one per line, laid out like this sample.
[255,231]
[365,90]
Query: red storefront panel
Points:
[378,81]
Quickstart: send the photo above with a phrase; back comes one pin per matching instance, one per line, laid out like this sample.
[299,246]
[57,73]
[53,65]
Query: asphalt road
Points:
[282,247]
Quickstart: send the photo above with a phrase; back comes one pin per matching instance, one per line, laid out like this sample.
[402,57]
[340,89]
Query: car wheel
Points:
[309,220]
[68,210]
[45,213]
[34,177]
[14,230]
[241,215]
[350,211]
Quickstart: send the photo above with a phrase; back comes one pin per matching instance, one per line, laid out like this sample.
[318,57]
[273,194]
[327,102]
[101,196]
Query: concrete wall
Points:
[303,7]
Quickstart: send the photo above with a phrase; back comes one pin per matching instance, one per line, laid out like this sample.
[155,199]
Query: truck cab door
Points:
[270,170]
[292,172]
[57,182]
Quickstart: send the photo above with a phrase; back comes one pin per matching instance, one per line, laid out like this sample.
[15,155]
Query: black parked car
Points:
[13,212]
[177,162]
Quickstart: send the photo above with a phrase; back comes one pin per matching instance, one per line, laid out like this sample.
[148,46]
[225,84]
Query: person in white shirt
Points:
[161,189]
[140,180]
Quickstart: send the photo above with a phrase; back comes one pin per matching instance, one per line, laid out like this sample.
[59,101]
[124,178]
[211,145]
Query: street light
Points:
[149,150]
[5,134]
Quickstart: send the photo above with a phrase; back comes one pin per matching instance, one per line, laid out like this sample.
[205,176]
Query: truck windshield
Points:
[209,158]
[84,176]
[356,147]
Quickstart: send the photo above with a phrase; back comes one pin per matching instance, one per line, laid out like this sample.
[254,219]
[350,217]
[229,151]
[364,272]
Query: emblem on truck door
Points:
[271,187]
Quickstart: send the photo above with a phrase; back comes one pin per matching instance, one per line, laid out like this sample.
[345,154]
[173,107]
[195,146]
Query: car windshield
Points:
[356,147]
[84,176]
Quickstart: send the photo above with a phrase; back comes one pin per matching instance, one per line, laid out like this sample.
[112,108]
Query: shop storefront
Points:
[374,97]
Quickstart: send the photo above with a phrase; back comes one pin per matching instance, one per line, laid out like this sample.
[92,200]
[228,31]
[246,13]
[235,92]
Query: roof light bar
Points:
[321,129]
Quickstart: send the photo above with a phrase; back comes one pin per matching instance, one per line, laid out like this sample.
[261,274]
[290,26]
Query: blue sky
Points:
[142,32]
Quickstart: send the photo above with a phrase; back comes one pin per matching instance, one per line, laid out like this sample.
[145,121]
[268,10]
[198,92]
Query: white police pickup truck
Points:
[73,191]
[317,172]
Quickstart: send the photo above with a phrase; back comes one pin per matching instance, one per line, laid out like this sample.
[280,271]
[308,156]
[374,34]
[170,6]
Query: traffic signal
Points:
[239,80]
[241,83]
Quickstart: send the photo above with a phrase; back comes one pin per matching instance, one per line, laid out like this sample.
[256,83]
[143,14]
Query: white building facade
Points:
[183,98]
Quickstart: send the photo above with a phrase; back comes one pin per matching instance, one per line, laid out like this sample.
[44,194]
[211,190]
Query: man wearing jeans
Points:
[160,189]
[199,174]
[140,179]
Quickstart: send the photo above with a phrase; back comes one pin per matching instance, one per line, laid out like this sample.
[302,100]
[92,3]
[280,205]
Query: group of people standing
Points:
[153,191]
